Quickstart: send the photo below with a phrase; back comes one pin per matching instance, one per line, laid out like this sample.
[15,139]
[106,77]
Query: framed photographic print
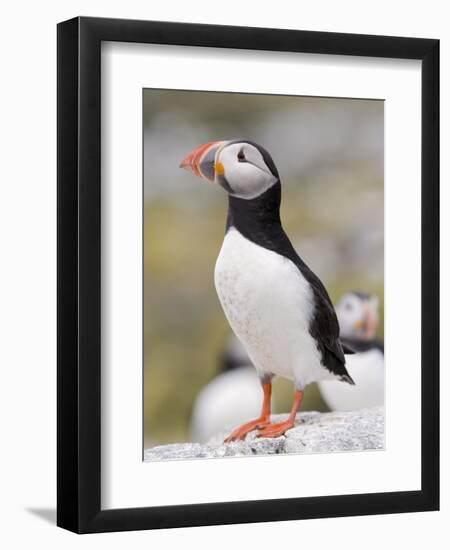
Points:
[248,290]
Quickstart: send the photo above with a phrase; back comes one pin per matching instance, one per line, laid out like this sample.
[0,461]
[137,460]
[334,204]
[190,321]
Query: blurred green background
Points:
[329,153]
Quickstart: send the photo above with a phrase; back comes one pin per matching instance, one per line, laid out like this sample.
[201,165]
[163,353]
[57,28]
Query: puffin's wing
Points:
[324,328]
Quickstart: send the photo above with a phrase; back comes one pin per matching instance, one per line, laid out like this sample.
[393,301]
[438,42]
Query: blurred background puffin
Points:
[358,319]
[230,398]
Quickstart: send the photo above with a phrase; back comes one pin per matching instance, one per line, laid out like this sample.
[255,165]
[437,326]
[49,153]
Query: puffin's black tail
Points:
[348,350]
[347,378]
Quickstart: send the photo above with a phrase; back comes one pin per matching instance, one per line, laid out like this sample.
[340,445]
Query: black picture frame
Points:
[79,275]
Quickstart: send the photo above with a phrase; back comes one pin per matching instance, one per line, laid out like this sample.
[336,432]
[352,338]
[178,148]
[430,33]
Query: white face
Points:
[358,317]
[242,171]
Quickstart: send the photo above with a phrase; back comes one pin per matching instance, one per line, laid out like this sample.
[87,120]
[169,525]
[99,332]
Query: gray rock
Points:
[313,432]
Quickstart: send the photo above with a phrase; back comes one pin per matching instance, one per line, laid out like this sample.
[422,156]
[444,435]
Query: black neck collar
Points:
[256,219]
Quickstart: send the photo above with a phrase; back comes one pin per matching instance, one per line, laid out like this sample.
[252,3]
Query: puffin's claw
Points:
[277,429]
[242,431]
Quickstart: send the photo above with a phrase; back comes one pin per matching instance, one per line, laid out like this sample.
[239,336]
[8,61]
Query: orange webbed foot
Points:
[241,431]
[276,429]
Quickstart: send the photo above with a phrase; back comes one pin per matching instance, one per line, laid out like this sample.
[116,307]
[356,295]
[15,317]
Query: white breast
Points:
[269,305]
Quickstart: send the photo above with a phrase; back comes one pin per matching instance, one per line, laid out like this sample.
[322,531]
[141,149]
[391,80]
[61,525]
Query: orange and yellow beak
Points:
[367,324]
[202,161]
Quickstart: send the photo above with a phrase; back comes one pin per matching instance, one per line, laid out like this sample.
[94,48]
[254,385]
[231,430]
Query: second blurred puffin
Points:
[230,398]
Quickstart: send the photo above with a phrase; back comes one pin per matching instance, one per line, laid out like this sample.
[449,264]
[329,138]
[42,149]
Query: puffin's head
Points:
[243,168]
[358,315]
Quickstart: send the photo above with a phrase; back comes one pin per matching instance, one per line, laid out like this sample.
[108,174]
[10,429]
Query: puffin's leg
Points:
[263,420]
[278,428]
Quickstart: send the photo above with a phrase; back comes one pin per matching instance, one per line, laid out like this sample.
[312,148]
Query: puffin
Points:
[358,318]
[231,397]
[277,307]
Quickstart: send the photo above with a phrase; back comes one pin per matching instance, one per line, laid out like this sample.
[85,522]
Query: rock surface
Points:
[313,432]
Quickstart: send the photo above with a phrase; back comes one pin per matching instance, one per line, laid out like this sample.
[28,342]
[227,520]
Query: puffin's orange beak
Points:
[370,324]
[201,161]
[367,324]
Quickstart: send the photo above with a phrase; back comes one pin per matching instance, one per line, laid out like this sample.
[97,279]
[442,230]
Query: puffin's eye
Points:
[241,156]
[348,306]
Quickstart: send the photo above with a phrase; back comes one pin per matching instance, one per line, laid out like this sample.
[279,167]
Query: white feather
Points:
[247,179]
